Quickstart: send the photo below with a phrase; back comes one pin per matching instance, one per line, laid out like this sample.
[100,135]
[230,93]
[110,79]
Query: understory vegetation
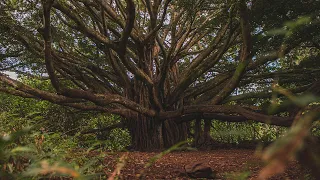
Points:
[40,139]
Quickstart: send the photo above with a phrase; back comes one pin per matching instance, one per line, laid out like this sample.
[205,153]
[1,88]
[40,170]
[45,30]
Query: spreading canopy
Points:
[164,59]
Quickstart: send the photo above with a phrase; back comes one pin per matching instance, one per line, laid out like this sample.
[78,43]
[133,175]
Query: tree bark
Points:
[150,134]
[206,132]
[198,133]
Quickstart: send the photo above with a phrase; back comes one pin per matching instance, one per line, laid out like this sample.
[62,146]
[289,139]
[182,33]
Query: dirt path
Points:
[234,162]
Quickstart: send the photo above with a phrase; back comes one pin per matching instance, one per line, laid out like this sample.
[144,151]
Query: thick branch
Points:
[261,94]
[156,29]
[94,35]
[130,12]
[32,92]
[226,109]
[245,55]
[107,99]
[47,5]
[206,116]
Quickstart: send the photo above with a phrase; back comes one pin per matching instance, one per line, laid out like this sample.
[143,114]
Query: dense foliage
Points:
[39,138]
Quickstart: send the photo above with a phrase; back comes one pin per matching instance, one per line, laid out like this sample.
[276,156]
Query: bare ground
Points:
[227,164]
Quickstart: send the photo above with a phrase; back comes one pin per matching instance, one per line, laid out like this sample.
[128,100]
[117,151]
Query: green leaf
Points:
[22,149]
[300,21]
[275,32]
[306,99]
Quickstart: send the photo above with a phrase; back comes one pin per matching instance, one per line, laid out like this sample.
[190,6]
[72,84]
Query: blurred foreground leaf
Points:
[286,148]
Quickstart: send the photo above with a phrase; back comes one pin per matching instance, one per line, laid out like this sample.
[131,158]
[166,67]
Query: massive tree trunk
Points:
[150,134]
[146,133]
[174,133]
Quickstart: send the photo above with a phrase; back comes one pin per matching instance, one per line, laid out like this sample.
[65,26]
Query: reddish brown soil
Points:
[226,163]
